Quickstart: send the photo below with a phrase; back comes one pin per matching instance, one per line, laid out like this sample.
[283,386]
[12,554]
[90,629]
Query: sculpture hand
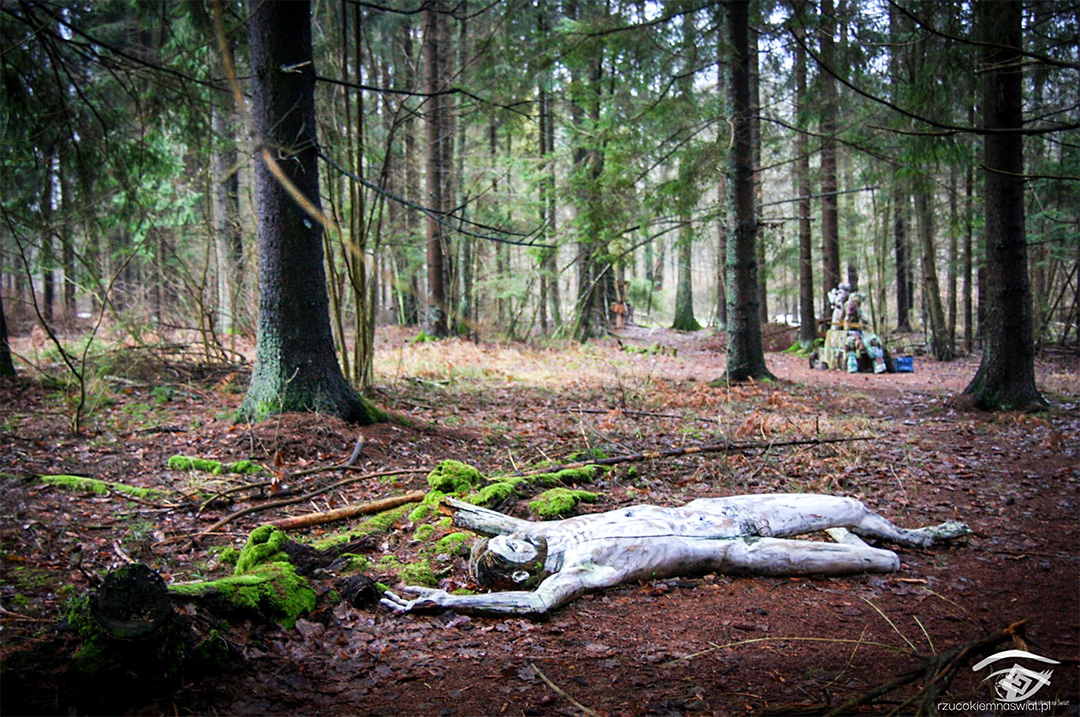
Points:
[428,598]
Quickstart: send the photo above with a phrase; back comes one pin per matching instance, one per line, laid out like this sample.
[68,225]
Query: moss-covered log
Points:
[264,585]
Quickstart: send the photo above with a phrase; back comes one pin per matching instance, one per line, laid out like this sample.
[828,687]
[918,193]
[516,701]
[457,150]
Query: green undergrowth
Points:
[93,485]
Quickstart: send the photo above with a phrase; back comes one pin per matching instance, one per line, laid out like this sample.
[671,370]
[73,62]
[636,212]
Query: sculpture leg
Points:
[799,513]
[777,556]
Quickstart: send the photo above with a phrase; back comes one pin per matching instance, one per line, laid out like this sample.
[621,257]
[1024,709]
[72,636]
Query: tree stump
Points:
[133,603]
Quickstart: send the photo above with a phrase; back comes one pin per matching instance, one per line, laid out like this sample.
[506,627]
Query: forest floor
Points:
[700,645]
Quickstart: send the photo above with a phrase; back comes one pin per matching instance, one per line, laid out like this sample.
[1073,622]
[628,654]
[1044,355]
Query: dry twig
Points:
[561,693]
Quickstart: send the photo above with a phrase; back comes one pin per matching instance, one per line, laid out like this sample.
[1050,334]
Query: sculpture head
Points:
[509,562]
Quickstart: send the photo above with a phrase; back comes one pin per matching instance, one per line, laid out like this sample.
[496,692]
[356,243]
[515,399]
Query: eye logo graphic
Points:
[1016,683]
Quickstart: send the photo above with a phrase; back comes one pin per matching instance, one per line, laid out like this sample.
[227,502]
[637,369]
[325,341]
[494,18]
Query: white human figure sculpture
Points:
[838,297]
[542,565]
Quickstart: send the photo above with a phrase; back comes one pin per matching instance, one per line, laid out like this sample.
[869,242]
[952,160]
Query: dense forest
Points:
[525,170]
[465,357]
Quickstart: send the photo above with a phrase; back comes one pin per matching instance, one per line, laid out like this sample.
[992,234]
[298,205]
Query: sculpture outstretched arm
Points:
[556,590]
[484,521]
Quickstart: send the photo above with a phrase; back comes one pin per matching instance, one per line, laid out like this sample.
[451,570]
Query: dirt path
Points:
[712,645]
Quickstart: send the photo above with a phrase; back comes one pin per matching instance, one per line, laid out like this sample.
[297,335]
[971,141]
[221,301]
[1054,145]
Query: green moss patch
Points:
[418,573]
[264,582]
[558,502]
[93,485]
[453,544]
[206,465]
[454,477]
[566,476]
[493,492]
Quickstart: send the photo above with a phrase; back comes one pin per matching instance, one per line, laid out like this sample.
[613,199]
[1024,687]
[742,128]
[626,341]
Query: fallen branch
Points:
[306,496]
[349,511]
[726,447]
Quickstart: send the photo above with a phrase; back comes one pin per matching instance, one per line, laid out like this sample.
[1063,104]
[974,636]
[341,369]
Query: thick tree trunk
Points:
[466,308]
[435,320]
[755,133]
[295,365]
[1006,376]
[593,277]
[830,219]
[684,319]
[900,195]
[746,356]
[408,275]
[721,193]
[808,319]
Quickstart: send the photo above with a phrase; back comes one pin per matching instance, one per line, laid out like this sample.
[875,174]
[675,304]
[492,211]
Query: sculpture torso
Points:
[647,540]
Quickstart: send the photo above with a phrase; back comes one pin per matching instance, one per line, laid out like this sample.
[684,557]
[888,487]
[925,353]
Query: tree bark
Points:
[900,201]
[808,319]
[1006,376]
[295,365]
[830,220]
[408,274]
[591,260]
[721,192]
[436,321]
[755,135]
[746,356]
[684,287]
